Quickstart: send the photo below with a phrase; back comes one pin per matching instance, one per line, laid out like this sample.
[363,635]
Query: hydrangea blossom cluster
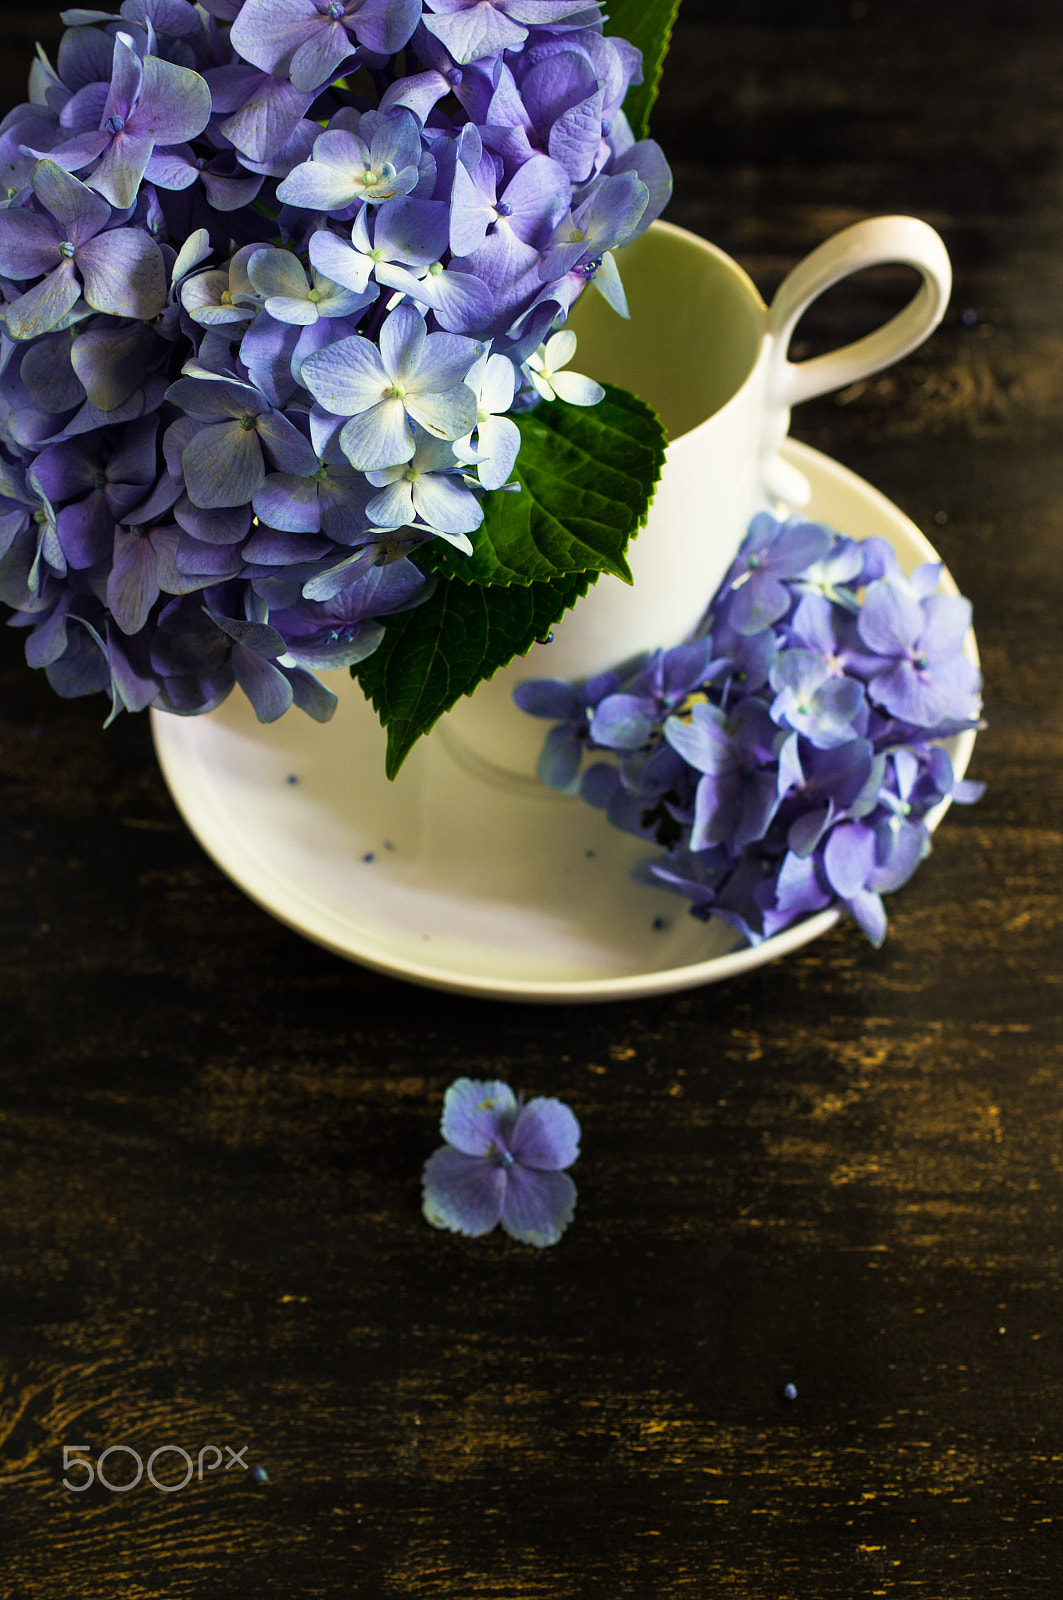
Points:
[502,1162]
[272,276]
[788,757]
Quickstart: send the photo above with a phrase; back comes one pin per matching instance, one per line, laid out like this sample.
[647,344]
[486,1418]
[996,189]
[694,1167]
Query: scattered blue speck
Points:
[292,778]
[388,845]
[789,1391]
[969,317]
[260,1474]
[659,922]
[369,856]
[589,854]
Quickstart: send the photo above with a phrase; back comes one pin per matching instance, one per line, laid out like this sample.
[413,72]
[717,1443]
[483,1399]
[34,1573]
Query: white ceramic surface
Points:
[484,888]
[704,350]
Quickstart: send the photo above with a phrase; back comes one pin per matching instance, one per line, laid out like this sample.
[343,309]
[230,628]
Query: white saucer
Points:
[447,879]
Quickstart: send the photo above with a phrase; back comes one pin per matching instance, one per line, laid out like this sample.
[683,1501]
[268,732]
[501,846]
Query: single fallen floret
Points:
[502,1162]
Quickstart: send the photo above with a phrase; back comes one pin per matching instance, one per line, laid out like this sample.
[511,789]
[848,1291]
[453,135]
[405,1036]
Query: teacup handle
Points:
[871,243]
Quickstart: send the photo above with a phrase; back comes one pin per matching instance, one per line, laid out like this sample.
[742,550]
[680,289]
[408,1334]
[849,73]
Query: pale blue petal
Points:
[393,507]
[446,416]
[45,305]
[498,444]
[867,910]
[445,362]
[559,759]
[545,1135]
[849,858]
[318,59]
[607,282]
[133,582]
[473,1112]
[348,377]
[379,438]
[223,465]
[339,261]
[402,339]
[29,244]
[124,273]
[278,272]
[174,103]
[473,34]
[123,165]
[311,695]
[537,1207]
[446,504]
[462,1193]
[288,449]
[265,685]
[576,389]
[889,620]
[79,212]
[498,385]
[946,619]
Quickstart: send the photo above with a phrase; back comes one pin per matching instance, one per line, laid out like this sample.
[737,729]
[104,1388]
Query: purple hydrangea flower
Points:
[429,486]
[312,39]
[785,764]
[925,677]
[150,104]
[755,594]
[267,342]
[502,1163]
[224,460]
[473,29]
[373,164]
[119,271]
[324,635]
[493,381]
[809,698]
[410,376]
[736,753]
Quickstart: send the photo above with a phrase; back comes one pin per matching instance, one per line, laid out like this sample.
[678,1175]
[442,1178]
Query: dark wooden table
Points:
[841,1172]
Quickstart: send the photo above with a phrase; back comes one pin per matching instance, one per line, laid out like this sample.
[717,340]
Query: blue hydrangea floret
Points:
[503,1162]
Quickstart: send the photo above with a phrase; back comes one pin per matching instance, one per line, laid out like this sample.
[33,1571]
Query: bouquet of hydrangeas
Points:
[282,386]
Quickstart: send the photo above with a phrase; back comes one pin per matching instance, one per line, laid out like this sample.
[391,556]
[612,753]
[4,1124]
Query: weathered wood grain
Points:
[841,1172]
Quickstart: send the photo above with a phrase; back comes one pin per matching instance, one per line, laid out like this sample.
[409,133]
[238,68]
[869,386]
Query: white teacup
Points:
[705,351]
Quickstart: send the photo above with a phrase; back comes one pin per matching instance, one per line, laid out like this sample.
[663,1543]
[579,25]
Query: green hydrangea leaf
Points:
[647,24]
[587,476]
[432,655]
